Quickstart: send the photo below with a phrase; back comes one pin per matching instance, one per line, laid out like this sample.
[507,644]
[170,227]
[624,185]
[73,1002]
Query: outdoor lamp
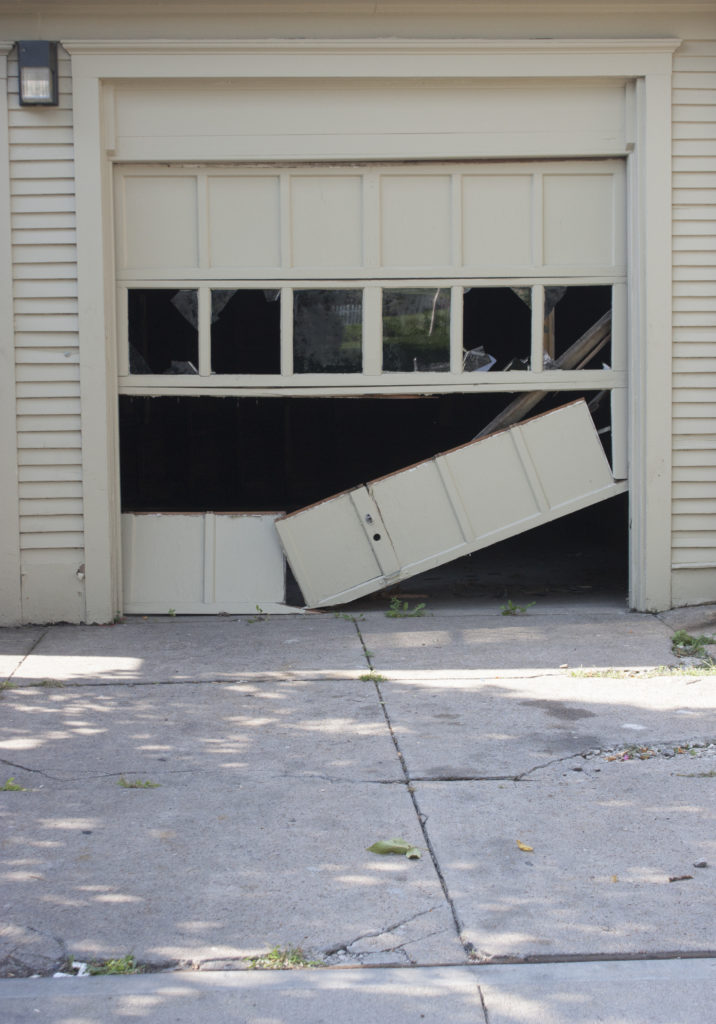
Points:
[37,73]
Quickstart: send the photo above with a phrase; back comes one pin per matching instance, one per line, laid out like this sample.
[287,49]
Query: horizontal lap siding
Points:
[47,346]
[694,313]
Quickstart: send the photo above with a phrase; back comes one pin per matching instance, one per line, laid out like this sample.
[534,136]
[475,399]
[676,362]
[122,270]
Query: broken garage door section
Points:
[443,508]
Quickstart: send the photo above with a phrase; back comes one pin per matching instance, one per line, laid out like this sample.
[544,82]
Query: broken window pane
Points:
[245,330]
[573,313]
[416,329]
[163,330]
[497,329]
[327,331]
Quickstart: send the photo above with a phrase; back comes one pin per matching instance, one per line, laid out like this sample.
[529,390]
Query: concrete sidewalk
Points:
[199,792]
[637,992]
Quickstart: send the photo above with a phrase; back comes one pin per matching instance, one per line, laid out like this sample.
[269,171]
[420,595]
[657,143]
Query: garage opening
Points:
[277,454]
[286,333]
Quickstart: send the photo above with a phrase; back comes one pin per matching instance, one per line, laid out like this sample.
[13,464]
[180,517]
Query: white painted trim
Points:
[372,8]
[370,47]
[10,589]
[649,348]
[97,361]
[371,58]
[647,60]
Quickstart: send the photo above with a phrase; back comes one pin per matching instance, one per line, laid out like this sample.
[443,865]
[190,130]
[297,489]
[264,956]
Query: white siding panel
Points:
[45,289]
[51,506]
[47,355]
[694,320]
[45,152]
[52,272]
[61,489]
[59,236]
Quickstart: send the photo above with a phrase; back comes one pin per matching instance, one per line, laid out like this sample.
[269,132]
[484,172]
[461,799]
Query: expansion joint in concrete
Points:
[422,820]
[366,653]
[589,958]
[27,654]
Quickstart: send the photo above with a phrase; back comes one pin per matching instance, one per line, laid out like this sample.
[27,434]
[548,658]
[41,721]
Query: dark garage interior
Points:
[251,454]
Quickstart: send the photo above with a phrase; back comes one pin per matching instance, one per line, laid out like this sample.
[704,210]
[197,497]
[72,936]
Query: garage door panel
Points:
[579,227]
[492,484]
[244,221]
[416,220]
[159,225]
[418,513]
[327,542]
[327,221]
[366,221]
[576,465]
[497,214]
[556,465]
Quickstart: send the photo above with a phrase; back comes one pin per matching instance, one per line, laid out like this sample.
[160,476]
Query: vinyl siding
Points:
[46,353]
[694,321]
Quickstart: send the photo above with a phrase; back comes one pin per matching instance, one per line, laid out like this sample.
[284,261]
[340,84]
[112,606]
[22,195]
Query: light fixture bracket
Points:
[37,73]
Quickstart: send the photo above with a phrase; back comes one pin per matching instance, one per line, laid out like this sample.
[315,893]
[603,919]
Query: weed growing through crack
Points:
[136,783]
[515,609]
[120,965]
[684,644]
[372,677]
[6,684]
[10,786]
[401,610]
[261,615]
[279,959]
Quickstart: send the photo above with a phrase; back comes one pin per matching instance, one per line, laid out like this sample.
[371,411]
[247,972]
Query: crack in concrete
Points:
[88,777]
[547,764]
[483,1004]
[21,961]
[27,654]
[35,771]
[345,946]
[421,938]
[366,653]
[411,792]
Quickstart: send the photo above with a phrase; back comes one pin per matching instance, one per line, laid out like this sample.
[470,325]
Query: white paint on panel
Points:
[303,119]
[328,550]
[417,528]
[497,220]
[578,219]
[244,221]
[201,563]
[488,508]
[327,221]
[416,220]
[249,563]
[160,222]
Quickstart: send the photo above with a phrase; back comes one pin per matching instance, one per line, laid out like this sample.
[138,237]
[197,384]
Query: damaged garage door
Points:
[443,508]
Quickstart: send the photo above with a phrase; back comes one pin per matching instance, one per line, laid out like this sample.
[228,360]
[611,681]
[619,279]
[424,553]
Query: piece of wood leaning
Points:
[575,358]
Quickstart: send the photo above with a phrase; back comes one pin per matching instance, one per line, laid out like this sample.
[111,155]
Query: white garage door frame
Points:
[98,66]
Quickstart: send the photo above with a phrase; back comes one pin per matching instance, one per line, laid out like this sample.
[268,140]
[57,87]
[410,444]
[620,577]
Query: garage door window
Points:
[456,276]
